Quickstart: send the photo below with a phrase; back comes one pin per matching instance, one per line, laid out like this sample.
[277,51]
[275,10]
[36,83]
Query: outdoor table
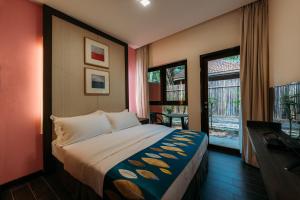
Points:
[181,116]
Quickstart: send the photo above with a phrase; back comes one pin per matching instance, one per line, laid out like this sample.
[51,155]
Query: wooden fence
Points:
[290,92]
[224,97]
[175,92]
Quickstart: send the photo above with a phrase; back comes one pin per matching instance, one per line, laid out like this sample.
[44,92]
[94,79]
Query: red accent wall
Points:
[21,63]
[156,108]
[131,78]
[154,92]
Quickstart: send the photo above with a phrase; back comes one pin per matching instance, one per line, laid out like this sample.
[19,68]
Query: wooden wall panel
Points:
[68,98]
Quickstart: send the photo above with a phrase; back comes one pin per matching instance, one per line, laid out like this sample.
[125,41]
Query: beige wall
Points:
[224,32]
[284,41]
[68,72]
[220,33]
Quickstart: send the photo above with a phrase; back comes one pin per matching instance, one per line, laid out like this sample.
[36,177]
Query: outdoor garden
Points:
[224,112]
[286,109]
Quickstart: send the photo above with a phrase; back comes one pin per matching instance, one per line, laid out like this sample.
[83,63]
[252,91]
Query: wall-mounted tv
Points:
[286,107]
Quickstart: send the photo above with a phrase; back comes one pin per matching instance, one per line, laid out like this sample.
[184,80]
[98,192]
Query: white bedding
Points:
[88,161]
[57,151]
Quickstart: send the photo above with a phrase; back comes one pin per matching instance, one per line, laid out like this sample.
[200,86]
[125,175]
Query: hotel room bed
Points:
[152,160]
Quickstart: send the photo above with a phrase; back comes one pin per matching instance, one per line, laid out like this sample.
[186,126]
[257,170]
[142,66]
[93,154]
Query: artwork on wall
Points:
[95,53]
[96,82]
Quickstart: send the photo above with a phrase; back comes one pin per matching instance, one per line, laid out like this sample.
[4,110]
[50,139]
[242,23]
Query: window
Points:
[154,86]
[175,83]
[168,84]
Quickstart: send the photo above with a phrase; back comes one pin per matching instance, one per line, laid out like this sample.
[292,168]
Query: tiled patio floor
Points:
[225,141]
[225,132]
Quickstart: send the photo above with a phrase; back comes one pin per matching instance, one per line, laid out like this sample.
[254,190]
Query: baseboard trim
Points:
[21,180]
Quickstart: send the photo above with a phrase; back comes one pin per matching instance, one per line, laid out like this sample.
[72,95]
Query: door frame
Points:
[204,89]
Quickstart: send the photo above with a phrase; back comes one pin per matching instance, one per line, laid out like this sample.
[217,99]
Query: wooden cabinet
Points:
[280,183]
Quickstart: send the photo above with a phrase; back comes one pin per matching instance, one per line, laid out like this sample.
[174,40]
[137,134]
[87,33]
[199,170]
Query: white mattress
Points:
[88,161]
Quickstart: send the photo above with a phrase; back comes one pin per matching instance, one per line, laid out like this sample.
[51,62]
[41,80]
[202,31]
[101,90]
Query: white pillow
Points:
[74,129]
[122,120]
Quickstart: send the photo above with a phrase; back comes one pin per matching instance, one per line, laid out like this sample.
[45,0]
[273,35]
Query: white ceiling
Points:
[129,21]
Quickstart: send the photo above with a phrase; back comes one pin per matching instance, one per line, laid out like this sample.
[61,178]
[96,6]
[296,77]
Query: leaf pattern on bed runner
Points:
[147,174]
[167,155]
[128,189]
[156,162]
[152,155]
[127,174]
[150,172]
[136,163]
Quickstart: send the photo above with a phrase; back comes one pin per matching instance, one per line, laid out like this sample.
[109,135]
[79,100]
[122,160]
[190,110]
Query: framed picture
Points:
[95,53]
[96,82]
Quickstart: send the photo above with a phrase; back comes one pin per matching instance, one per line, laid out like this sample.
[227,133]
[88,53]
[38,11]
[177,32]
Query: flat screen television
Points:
[285,100]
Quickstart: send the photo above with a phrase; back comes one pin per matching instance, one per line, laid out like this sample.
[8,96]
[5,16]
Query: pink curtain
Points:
[142,97]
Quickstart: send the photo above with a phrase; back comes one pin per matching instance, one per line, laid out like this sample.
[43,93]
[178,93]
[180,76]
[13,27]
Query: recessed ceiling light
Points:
[145,2]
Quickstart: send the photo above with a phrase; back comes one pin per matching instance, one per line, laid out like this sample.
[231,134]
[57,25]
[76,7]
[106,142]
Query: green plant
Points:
[211,102]
[236,102]
[169,109]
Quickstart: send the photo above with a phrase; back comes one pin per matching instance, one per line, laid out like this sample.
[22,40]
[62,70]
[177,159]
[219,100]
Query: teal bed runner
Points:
[149,173]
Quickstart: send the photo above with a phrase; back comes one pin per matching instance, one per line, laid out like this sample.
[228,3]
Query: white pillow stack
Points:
[70,130]
[122,120]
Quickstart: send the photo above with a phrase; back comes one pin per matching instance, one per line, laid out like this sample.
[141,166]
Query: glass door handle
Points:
[205,105]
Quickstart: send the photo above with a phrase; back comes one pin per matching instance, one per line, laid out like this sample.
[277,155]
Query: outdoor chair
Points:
[160,118]
[186,124]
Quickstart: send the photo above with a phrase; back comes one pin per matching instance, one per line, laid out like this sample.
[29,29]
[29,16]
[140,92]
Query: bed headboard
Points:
[64,73]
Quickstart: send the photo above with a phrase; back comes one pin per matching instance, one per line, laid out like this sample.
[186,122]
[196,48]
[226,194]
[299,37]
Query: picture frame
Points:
[96,53]
[96,82]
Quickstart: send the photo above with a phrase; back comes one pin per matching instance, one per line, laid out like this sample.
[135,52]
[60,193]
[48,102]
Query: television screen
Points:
[286,108]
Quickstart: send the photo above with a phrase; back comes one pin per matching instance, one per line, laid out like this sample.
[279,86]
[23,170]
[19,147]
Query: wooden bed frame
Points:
[48,12]
[51,164]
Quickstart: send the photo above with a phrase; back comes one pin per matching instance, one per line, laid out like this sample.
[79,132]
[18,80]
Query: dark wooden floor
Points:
[228,178]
